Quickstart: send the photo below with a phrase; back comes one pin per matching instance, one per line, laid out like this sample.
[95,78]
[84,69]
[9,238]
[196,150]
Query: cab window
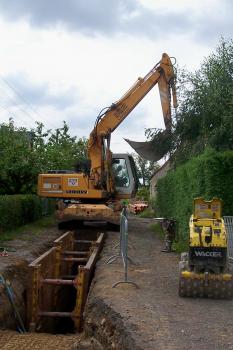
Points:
[120,172]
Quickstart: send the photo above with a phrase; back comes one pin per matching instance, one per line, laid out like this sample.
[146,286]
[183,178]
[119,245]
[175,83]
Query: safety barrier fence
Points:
[228,221]
[123,249]
[61,266]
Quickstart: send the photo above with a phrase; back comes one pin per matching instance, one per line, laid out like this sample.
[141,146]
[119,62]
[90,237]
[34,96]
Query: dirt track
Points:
[153,316]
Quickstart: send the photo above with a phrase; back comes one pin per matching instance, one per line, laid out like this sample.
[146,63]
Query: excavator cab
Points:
[125,175]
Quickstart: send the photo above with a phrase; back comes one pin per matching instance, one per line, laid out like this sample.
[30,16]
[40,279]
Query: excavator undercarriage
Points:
[204,270]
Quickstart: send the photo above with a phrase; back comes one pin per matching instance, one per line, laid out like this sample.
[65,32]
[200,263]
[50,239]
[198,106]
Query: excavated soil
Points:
[152,316]
[42,341]
[14,268]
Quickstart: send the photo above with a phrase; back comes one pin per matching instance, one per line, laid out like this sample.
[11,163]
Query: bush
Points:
[18,210]
[147,213]
[207,176]
[143,193]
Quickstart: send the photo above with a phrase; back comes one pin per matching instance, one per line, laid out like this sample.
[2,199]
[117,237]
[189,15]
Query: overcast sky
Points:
[67,59]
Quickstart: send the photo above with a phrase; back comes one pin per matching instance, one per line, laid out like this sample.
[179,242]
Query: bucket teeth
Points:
[200,288]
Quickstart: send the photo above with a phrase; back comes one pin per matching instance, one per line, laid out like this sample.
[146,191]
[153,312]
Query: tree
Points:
[16,160]
[145,168]
[205,114]
[64,151]
[24,154]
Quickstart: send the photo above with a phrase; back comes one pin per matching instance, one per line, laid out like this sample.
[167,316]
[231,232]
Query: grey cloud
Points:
[83,123]
[83,15]
[110,17]
[214,22]
[205,27]
[155,25]
[37,95]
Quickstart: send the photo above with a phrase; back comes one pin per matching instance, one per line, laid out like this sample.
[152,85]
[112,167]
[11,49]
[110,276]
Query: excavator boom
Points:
[162,74]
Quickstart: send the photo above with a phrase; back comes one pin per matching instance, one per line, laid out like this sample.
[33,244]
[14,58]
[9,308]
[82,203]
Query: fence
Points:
[123,245]
[47,206]
[228,221]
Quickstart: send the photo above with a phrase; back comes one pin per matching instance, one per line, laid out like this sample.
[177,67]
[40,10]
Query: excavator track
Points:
[218,287]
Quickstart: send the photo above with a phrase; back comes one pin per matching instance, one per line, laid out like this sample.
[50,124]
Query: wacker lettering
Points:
[209,254]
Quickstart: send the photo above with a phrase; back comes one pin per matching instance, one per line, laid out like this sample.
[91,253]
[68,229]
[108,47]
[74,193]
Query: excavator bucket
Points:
[155,149]
[160,144]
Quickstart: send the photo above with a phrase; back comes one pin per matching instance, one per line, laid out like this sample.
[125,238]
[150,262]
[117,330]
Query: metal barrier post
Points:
[124,248]
[114,257]
[228,221]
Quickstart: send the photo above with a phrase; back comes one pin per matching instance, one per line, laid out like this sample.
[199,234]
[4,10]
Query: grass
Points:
[180,246]
[147,213]
[33,228]
[158,230]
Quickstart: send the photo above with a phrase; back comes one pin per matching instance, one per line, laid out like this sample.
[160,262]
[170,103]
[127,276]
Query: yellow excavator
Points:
[204,270]
[95,193]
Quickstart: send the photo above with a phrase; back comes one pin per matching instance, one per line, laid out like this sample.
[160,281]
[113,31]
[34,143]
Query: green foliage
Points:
[18,210]
[178,246]
[147,213]
[63,151]
[24,154]
[205,113]
[205,109]
[143,193]
[153,204]
[26,232]
[157,228]
[181,245]
[145,168]
[16,163]
[207,176]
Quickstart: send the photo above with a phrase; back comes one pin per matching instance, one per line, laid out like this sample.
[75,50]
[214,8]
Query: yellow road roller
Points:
[204,269]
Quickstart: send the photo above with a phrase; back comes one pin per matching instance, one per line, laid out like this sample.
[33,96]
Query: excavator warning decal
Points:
[72,182]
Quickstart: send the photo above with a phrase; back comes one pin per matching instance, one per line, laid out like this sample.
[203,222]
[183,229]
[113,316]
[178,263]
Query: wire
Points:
[16,105]
[19,95]
[25,102]
[12,114]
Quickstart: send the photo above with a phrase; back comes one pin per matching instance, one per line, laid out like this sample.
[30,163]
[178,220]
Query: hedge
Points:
[209,175]
[18,210]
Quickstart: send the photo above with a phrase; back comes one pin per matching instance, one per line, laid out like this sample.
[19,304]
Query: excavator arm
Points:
[99,141]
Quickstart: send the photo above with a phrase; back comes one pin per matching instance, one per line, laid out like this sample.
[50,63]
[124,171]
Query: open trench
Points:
[102,327]
[54,332]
